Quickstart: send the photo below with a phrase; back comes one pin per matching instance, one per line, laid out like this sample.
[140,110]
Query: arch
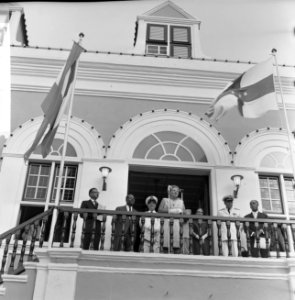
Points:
[82,136]
[264,148]
[129,135]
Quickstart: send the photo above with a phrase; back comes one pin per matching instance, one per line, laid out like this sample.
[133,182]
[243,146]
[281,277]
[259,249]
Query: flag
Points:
[253,93]
[55,103]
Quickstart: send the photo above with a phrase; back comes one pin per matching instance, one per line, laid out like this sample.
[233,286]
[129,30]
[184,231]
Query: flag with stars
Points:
[253,93]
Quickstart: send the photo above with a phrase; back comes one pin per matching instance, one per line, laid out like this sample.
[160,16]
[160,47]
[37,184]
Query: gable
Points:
[168,10]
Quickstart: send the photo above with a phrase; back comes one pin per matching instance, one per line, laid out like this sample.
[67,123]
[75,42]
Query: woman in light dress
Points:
[172,205]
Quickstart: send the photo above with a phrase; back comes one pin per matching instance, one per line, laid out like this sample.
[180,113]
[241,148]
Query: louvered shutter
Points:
[180,34]
[180,51]
[157,33]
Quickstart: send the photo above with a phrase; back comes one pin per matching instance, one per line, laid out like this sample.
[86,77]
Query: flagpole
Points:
[62,162]
[289,133]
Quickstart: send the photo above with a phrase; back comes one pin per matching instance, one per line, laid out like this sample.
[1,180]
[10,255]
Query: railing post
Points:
[181,235]
[74,226]
[13,256]
[93,231]
[103,232]
[52,227]
[218,223]
[238,225]
[210,237]
[142,234]
[190,226]
[171,222]
[152,234]
[162,235]
[229,241]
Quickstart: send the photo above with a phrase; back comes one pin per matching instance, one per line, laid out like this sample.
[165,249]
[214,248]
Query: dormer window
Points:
[168,40]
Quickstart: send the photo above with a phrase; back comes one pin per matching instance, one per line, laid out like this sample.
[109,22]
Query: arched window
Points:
[169,145]
[57,147]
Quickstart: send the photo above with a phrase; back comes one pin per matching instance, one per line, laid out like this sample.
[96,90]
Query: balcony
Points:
[41,268]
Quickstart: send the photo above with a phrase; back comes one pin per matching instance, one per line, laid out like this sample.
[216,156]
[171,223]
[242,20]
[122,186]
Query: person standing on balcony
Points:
[230,212]
[125,233]
[92,204]
[151,202]
[255,214]
[200,235]
[172,205]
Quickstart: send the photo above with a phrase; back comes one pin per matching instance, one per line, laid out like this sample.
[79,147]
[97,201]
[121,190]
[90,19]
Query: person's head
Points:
[93,193]
[173,191]
[254,205]
[130,200]
[199,212]
[151,202]
[228,201]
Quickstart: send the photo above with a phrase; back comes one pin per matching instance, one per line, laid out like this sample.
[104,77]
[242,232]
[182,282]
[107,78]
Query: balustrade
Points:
[20,242]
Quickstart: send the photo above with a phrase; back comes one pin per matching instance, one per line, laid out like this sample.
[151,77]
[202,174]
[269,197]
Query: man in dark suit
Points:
[90,222]
[255,214]
[127,232]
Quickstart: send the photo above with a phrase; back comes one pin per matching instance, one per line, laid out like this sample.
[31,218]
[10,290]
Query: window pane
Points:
[32,180]
[288,183]
[156,153]
[270,194]
[45,170]
[68,184]
[71,171]
[266,205]
[37,182]
[30,193]
[263,182]
[275,194]
[277,207]
[43,181]
[34,169]
[273,182]
[264,193]
[290,195]
[170,147]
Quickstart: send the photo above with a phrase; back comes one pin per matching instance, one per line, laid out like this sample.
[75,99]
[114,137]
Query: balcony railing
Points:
[21,241]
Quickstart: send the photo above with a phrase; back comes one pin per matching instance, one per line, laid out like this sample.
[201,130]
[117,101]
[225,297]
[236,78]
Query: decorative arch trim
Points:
[259,144]
[129,135]
[86,141]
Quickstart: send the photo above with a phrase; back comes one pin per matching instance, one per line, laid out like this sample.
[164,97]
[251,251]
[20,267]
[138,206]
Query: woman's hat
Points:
[151,198]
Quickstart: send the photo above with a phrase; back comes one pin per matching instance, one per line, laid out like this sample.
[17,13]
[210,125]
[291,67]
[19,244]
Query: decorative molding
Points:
[130,134]
[82,136]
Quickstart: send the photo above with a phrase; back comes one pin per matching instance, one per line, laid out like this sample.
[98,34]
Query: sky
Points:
[230,29]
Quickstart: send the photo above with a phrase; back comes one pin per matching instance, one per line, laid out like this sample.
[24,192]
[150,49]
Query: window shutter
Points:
[157,33]
[180,51]
[180,34]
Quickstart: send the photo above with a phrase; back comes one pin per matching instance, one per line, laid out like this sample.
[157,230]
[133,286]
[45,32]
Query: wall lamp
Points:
[237,182]
[105,173]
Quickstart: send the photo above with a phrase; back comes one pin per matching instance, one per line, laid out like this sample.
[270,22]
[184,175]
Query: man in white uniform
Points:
[230,212]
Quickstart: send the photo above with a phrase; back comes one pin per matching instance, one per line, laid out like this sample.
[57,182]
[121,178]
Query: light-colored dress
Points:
[174,207]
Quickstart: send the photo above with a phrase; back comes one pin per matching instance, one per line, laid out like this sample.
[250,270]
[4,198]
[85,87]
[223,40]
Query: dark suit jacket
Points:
[127,231]
[88,226]
[252,227]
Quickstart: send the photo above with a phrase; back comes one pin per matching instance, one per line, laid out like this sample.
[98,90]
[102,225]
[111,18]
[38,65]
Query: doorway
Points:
[148,182]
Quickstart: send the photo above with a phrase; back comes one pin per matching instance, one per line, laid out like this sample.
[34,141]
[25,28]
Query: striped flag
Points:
[253,93]
[55,103]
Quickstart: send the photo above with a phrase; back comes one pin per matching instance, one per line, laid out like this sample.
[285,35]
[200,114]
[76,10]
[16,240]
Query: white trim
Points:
[126,139]
[257,144]
[82,137]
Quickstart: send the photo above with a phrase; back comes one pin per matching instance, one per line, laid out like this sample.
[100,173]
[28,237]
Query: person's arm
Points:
[82,206]
[163,207]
